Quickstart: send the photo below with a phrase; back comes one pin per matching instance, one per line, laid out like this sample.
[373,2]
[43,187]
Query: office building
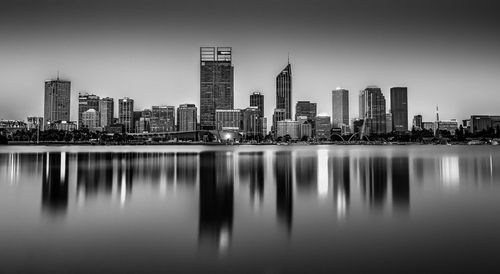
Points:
[279,115]
[340,107]
[323,127]
[305,108]
[162,119]
[187,117]
[480,123]
[388,123]
[372,110]
[86,101]
[417,122]
[399,109]
[284,91]
[216,84]
[107,111]
[288,127]
[229,119]
[126,114]
[35,123]
[90,119]
[57,101]
[451,126]
[252,123]
[257,100]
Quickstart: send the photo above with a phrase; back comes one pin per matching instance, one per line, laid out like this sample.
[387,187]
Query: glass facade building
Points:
[57,101]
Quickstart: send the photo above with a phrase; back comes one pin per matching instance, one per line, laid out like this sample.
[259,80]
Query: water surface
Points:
[249,209]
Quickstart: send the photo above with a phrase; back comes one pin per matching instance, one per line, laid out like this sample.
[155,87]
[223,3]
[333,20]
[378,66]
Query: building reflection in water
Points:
[125,173]
[373,178]
[400,183]
[284,188]
[55,183]
[186,168]
[339,168]
[306,170]
[251,170]
[216,199]
[449,171]
[94,173]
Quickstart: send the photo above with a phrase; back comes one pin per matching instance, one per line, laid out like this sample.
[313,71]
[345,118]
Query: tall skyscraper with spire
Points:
[57,101]
[284,91]
[216,84]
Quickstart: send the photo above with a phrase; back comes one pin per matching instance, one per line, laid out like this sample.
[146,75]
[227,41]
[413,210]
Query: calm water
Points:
[250,209]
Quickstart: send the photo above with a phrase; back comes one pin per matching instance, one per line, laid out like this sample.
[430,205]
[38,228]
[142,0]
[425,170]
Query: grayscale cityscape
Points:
[265,136]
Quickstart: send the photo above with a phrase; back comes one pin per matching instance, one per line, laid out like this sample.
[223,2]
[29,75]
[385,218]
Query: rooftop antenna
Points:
[57,75]
[288,57]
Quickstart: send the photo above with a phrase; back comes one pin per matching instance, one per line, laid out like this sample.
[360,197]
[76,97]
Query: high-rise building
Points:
[340,107]
[252,124]
[372,110]
[257,100]
[126,114]
[163,119]
[186,117]
[417,122]
[107,111]
[399,109]
[216,84]
[306,108]
[323,127]
[86,101]
[90,120]
[480,123]
[279,115]
[284,91]
[229,119]
[57,101]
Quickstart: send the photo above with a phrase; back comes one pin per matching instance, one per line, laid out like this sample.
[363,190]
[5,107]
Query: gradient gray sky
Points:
[447,52]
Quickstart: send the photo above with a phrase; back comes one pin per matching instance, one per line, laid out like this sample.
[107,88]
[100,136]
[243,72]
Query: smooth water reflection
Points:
[241,209]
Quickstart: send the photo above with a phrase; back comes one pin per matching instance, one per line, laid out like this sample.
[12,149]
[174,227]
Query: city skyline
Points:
[117,58]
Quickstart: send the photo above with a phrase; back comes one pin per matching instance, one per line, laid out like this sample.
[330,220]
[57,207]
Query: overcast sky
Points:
[447,52]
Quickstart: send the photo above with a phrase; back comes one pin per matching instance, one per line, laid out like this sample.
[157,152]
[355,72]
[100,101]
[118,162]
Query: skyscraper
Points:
[107,110]
[284,91]
[163,119]
[399,109]
[216,84]
[340,107]
[252,124]
[306,108]
[257,100]
[126,114]
[86,101]
[186,117]
[417,122]
[372,110]
[57,100]
[323,127]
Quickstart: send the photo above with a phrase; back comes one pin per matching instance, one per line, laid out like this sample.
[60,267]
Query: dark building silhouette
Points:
[216,84]
[55,183]
[187,117]
[417,122]
[284,188]
[126,114]
[257,100]
[372,110]
[284,91]
[399,109]
[216,199]
[400,183]
[57,101]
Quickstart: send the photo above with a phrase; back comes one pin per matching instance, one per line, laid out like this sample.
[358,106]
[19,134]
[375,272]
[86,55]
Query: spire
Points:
[437,113]
[57,75]
[289,58]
